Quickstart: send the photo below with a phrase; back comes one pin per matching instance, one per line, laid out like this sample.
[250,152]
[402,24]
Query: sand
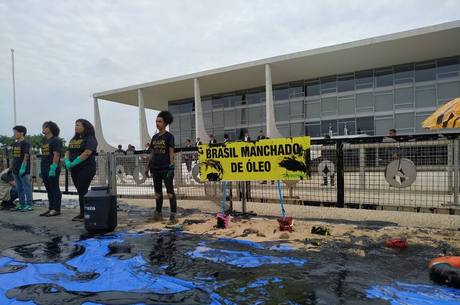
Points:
[354,228]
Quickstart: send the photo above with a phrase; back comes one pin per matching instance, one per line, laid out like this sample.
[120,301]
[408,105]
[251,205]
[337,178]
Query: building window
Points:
[185,122]
[383,77]
[297,129]
[329,106]
[365,125]
[365,102]
[425,71]
[384,101]
[329,125]
[364,79]
[174,108]
[313,130]
[237,100]
[404,98]
[404,122]
[207,118]
[346,82]
[281,93]
[263,113]
[425,97]
[282,112]
[347,105]
[313,88]
[284,130]
[241,116]
[383,124]
[218,102]
[254,115]
[255,97]
[348,125]
[312,109]
[229,118]
[448,67]
[448,91]
[328,84]
[206,104]
[296,90]
[404,74]
[218,118]
[296,109]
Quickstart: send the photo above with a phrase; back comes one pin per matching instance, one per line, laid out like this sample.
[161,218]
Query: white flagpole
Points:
[14,87]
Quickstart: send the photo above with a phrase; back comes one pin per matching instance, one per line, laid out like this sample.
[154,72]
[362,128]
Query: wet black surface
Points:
[58,249]
[43,294]
[338,273]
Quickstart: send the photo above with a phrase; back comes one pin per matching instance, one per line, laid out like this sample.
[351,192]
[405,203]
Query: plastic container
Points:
[286,224]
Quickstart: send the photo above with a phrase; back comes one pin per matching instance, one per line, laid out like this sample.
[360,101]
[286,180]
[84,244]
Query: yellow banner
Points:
[269,159]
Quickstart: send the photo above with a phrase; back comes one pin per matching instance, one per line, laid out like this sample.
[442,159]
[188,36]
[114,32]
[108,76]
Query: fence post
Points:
[112,173]
[450,167]
[456,170]
[243,201]
[340,175]
[362,165]
[66,182]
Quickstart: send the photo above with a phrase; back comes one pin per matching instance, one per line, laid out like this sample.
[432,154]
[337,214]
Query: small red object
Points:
[396,243]
[286,224]
[223,221]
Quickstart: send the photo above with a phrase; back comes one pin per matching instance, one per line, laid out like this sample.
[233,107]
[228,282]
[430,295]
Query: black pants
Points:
[160,176]
[82,178]
[188,163]
[53,190]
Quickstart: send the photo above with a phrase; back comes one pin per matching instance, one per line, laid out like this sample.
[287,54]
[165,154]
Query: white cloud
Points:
[66,50]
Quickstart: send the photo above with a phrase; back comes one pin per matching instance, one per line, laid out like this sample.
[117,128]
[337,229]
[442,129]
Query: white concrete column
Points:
[101,142]
[272,130]
[144,136]
[199,121]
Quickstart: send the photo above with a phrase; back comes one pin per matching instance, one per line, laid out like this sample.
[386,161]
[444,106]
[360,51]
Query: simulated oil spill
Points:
[179,268]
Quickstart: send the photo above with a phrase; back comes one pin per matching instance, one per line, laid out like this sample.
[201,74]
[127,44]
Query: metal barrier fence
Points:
[419,173]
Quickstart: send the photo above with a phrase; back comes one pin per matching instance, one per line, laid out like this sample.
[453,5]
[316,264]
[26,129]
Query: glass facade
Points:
[360,102]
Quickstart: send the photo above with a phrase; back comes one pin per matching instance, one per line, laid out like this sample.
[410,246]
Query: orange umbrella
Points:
[446,116]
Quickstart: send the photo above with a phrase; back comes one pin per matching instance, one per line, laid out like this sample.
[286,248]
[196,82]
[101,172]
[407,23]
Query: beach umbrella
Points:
[446,116]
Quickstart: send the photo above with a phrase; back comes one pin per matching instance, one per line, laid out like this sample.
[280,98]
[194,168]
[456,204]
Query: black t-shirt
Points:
[160,145]
[50,146]
[78,145]
[20,148]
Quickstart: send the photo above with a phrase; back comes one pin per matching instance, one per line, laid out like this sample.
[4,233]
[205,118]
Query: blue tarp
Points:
[112,274]
[256,245]
[242,259]
[413,294]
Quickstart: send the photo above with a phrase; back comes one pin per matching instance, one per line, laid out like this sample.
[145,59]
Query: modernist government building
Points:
[362,87]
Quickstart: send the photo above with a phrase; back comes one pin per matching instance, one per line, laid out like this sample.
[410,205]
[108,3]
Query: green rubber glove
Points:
[75,162]
[22,170]
[67,163]
[171,169]
[53,168]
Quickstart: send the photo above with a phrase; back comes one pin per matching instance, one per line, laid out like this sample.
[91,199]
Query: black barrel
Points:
[100,210]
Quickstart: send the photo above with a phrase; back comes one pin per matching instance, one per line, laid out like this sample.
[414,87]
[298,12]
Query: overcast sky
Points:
[67,50]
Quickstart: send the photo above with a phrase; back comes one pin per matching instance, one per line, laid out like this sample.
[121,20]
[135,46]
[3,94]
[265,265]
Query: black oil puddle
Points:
[58,249]
[336,274]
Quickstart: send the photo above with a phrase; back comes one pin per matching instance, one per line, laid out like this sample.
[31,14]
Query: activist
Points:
[161,165]
[81,161]
[50,168]
[21,169]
